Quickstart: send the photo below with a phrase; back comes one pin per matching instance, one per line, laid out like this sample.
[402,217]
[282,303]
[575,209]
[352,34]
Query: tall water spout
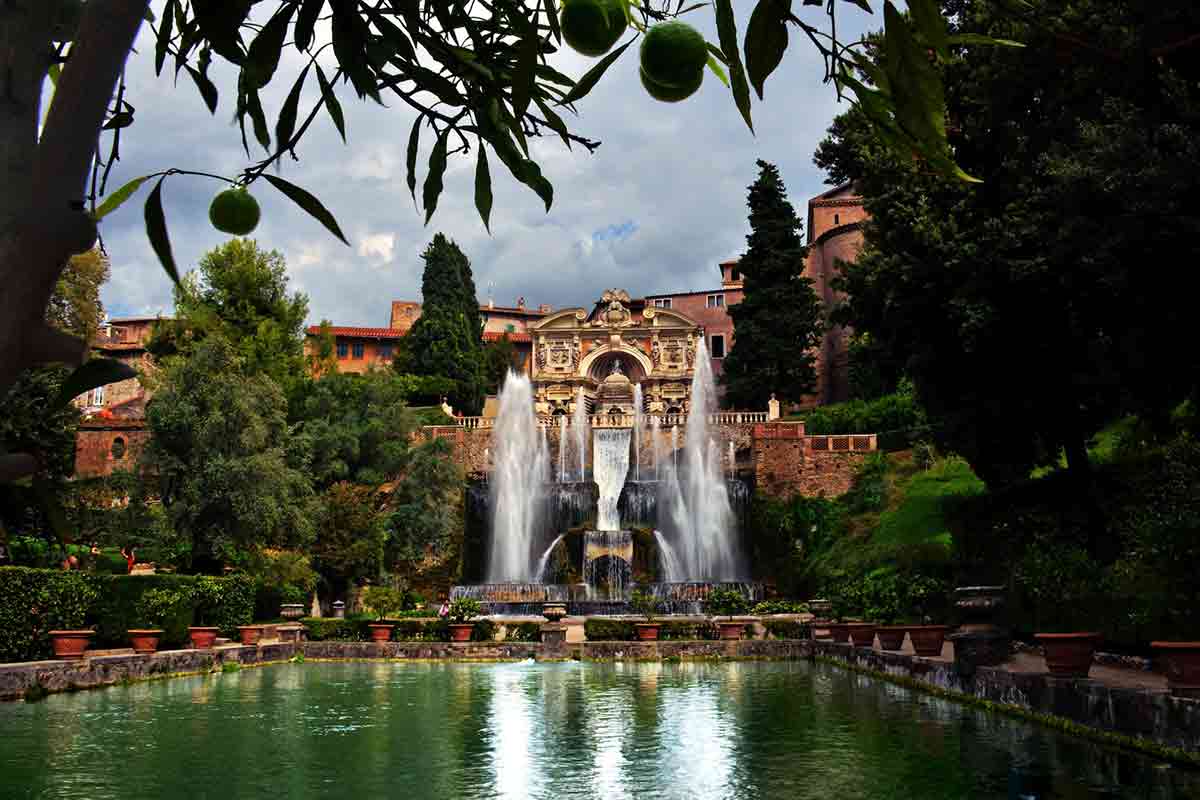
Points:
[580,424]
[672,569]
[562,448]
[516,485]
[703,532]
[539,571]
[656,445]
[639,421]
[610,465]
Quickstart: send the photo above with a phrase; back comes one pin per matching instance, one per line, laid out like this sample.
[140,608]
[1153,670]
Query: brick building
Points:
[123,339]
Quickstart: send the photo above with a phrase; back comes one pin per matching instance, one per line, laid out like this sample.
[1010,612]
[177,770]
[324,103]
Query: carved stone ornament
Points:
[615,314]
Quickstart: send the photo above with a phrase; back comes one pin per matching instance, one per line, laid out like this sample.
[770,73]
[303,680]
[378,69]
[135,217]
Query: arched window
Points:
[118,449]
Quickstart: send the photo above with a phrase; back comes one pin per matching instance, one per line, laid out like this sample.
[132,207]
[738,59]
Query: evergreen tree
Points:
[778,325]
[446,340]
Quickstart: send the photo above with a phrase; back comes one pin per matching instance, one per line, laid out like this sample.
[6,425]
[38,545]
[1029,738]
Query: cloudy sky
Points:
[657,206]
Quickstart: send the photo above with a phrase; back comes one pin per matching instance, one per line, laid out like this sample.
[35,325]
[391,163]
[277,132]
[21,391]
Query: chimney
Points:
[545,308]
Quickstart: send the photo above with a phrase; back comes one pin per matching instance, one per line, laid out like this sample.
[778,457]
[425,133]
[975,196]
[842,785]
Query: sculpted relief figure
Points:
[616,315]
[655,352]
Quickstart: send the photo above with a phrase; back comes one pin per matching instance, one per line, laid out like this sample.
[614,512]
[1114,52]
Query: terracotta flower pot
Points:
[249,634]
[891,637]
[203,638]
[1068,655]
[927,640]
[647,631]
[862,633]
[70,645]
[731,629]
[1181,664]
[461,631]
[840,631]
[144,640]
[380,631]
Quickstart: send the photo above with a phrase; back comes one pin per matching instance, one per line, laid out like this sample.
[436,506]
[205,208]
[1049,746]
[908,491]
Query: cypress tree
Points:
[778,325]
[446,340]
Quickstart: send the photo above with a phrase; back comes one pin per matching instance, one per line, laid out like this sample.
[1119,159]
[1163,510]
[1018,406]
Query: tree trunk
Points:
[42,217]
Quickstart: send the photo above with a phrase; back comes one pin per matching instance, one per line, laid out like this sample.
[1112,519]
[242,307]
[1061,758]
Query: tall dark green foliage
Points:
[778,323]
[446,340]
[1022,307]
[232,475]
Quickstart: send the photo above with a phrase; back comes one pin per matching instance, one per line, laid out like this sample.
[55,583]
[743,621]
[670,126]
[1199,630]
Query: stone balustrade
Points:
[664,421]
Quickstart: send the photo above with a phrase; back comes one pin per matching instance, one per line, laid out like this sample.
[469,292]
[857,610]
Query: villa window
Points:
[737,276]
[835,219]
[662,302]
[358,349]
[717,345]
[98,396]
[716,301]
[385,351]
[118,449]
[342,349]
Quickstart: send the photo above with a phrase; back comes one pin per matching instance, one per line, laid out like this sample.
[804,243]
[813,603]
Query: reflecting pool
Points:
[566,730]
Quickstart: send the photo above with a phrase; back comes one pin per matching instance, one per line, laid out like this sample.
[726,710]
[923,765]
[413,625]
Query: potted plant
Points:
[1181,664]
[726,603]
[249,634]
[1068,655]
[891,635]
[71,644]
[462,611]
[646,605]
[1068,577]
[203,636]
[383,601]
[155,607]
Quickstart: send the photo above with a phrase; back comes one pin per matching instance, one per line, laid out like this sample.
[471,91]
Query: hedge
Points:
[786,629]
[621,630]
[36,601]
[355,629]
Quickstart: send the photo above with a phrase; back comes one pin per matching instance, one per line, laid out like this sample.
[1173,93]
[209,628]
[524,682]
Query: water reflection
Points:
[691,731]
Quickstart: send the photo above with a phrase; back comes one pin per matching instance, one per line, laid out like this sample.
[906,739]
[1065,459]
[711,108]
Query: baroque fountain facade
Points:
[606,472]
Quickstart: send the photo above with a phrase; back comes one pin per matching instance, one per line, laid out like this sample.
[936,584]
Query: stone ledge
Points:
[1143,719]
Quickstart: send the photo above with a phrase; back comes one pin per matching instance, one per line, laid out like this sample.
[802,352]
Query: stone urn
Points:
[891,637]
[380,631]
[554,612]
[461,631]
[203,637]
[144,640]
[339,609]
[980,640]
[249,634]
[291,610]
[1181,663]
[927,640]
[70,645]
[1068,655]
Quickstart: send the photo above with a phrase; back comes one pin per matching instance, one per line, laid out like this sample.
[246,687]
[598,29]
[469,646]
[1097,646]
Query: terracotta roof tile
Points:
[373,333]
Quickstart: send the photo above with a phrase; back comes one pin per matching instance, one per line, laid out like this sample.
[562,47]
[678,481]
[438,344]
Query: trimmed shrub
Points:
[349,629]
[35,601]
[484,631]
[524,632]
[786,629]
[609,630]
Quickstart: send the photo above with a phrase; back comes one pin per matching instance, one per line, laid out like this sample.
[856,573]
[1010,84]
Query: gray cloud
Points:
[658,205]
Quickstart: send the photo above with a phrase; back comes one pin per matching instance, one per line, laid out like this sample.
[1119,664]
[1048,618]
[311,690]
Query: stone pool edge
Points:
[1148,722]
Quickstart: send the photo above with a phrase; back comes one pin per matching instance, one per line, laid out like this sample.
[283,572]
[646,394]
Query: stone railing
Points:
[851,443]
[664,421]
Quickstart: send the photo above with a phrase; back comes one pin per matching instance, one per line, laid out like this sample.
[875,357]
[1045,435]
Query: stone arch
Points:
[642,360]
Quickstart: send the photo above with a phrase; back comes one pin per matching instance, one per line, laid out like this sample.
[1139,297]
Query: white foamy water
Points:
[520,464]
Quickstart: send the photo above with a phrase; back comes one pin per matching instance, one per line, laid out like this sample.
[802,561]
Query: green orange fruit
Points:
[670,94]
[672,53]
[234,211]
[592,27]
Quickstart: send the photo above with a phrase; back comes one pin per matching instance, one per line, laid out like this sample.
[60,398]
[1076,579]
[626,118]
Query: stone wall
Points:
[102,446]
[785,461]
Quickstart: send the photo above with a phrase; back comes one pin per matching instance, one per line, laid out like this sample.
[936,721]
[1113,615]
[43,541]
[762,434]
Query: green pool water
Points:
[570,730]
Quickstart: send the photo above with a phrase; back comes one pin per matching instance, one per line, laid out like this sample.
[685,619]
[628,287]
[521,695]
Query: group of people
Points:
[72,561]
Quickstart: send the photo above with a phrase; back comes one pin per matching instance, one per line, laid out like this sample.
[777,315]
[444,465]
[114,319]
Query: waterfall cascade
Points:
[639,423]
[517,484]
[610,465]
